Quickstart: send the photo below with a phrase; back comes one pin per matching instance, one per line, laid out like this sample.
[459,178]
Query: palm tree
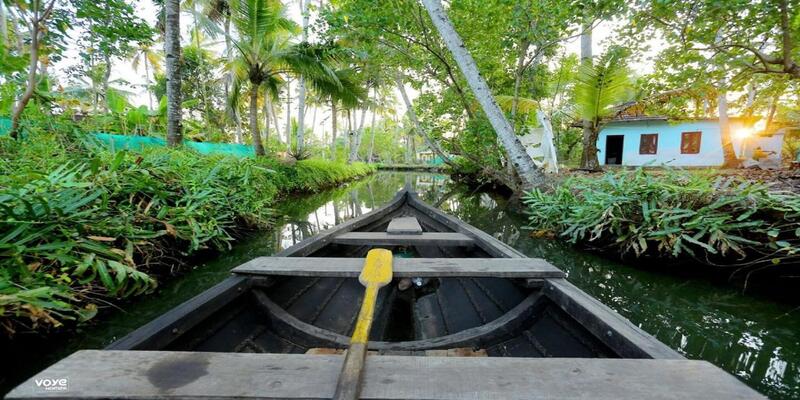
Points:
[172,49]
[530,175]
[345,93]
[265,53]
[151,58]
[598,88]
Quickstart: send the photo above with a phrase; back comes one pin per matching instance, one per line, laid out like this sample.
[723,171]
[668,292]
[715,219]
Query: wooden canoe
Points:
[471,294]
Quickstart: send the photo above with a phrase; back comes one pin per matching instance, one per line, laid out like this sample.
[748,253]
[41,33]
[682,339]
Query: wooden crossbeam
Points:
[171,375]
[386,239]
[404,267]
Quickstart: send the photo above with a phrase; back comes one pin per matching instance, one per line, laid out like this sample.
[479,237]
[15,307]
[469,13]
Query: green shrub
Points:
[79,223]
[671,214]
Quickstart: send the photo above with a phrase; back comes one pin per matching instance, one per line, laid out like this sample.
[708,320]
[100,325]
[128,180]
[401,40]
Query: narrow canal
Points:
[755,339]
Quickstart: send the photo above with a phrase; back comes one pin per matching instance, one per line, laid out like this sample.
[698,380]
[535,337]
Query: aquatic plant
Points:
[721,221]
[81,225]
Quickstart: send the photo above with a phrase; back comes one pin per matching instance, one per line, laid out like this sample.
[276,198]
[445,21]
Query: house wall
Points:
[669,142]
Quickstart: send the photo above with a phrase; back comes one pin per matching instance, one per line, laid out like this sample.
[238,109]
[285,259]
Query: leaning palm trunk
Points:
[530,176]
[418,127]
[259,149]
[172,48]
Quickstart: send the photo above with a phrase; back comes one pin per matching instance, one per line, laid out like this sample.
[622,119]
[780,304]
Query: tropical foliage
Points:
[674,214]
[81,226]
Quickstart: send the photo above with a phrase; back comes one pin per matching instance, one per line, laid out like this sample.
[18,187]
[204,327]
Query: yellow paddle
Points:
[377,273]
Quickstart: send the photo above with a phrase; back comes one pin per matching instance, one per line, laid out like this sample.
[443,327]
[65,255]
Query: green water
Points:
[756,340]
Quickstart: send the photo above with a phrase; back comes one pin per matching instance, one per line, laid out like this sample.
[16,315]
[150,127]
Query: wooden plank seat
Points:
[387,239]
[404,226]
[93,374]
[403,267]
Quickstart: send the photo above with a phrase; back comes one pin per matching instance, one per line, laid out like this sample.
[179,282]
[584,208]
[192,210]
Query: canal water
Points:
[755,339]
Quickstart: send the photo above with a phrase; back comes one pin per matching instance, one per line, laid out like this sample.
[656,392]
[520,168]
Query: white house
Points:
[656,141]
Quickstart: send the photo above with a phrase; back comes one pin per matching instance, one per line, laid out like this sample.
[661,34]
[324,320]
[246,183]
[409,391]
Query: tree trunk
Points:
[147,81]
[728,154]
[355,143]
[172,48]
[529,174]
[274,119]
[265,110]
[237,120]
[409,137]
[412,115]
[301,90]
[589,159]
[523,53]
[372,130]
[259,149]
[33,67]
[288,116]
[333,129]
[106,78]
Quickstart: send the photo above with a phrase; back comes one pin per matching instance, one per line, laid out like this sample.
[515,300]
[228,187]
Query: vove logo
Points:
[51,384]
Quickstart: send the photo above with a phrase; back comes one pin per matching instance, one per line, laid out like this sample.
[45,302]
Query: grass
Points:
[673,214]
[81,226]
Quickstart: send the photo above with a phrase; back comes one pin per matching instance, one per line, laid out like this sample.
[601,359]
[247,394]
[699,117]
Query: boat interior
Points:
[491,316]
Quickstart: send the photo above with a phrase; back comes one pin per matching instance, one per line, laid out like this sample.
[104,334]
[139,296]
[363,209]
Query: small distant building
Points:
[658,141]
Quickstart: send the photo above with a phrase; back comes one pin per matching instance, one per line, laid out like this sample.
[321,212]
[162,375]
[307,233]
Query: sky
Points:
[146,9]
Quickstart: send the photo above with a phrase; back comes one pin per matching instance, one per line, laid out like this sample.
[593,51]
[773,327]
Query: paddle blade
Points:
[377,268]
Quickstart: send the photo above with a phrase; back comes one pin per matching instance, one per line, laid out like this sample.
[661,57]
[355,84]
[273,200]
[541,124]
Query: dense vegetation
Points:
[673,214]
[81,226]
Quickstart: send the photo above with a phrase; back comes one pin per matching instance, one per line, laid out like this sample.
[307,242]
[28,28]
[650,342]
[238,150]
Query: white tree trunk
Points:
[172,49]
[301,89]
[724,124]
[372,128]
[529,174]
[355,143]
[289,116]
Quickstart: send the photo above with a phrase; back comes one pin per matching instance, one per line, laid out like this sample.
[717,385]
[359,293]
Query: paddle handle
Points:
[349,385]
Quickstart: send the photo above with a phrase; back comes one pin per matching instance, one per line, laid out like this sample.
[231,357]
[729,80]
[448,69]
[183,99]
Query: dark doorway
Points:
[614,149]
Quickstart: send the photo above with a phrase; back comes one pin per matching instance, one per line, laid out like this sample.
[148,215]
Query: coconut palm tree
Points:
[265,54]
[598,89]
[347,94]
[172,49]
[151,58]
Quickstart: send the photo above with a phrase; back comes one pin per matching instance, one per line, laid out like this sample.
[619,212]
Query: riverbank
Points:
[82,227]
[737,227]
[413,167]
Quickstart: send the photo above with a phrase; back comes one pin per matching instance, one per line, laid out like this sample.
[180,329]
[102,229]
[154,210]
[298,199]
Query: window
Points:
[690,142]
[648,144]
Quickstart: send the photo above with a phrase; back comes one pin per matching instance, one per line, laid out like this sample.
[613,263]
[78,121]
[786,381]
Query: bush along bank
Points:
[81,225]
[740,226]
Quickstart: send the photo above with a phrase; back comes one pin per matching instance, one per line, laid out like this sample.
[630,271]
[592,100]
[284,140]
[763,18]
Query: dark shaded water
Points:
[755,339]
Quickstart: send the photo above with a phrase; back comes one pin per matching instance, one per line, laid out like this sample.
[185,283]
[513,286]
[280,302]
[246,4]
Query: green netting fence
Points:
[126,142]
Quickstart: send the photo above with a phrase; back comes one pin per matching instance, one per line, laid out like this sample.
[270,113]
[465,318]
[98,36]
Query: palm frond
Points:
[599,87]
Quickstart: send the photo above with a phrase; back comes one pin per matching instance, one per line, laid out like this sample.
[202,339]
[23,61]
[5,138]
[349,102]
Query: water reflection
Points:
[754,339]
